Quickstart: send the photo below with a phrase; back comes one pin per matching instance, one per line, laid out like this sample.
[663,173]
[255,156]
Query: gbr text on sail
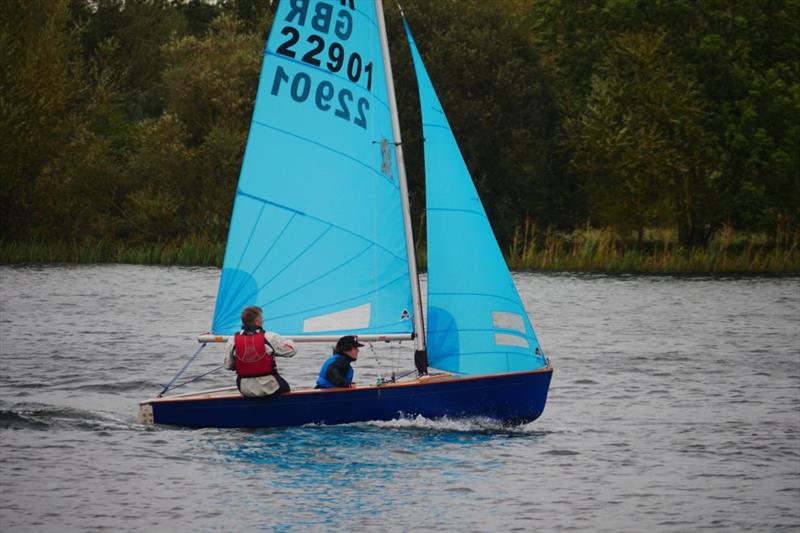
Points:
[320,35]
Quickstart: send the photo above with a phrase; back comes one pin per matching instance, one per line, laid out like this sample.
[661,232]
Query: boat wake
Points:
[112,387]
[457,425]
[43,417]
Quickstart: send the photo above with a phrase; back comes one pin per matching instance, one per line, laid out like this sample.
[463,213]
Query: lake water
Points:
[674,406]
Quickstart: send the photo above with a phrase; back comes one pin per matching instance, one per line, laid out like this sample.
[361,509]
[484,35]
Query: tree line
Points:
[126,120]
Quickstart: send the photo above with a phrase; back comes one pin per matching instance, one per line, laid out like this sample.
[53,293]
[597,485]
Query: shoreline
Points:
[556,256]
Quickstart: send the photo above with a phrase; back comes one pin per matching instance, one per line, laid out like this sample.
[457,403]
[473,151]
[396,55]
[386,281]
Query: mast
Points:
[419,328]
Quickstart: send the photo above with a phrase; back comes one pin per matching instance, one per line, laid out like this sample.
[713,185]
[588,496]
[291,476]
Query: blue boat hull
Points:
[512,398]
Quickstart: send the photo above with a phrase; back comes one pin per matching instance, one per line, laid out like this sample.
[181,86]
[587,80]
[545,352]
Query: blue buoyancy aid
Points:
[339,362]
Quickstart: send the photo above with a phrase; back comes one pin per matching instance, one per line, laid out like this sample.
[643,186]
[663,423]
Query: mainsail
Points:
[317,237]
[476,322]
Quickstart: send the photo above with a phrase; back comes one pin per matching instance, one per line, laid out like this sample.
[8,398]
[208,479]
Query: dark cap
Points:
[347,342]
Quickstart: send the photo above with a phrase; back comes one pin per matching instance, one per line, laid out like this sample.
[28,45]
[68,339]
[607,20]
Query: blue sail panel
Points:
[317,237]
[476,321]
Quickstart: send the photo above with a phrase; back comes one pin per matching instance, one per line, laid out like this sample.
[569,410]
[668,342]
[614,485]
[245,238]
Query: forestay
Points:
[316,235]
[476,322]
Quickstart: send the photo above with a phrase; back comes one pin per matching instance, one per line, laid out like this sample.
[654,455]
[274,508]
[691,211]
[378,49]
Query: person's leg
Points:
[282,383]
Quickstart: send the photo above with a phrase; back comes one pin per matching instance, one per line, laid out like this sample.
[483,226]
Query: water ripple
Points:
[675,406]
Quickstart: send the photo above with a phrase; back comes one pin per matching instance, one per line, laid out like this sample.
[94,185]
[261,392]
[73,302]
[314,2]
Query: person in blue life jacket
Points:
[336,370]
[251,353]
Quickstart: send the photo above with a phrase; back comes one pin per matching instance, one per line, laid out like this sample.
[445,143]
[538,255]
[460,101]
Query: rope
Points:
[196,378]
[375,355]
[401,376]
[182,370]
[381,380]
[393,350]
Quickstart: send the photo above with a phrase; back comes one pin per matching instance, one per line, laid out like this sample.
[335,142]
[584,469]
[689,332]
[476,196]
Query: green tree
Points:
[211,81]
[199,14]
[39,81]
[78,192]
[163,183]
[211,84]
[139,29]
[641,146]
[742,58]
[81,188]
[255,16]
[217,163]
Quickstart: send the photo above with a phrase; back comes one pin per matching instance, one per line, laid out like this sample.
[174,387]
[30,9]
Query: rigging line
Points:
[393,351]
[324,274]
[191,380]
[380,380]
[375,355]
[182,370]
[404,374]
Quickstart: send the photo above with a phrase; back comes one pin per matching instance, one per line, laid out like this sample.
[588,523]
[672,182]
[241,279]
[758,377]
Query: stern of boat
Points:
[145,414]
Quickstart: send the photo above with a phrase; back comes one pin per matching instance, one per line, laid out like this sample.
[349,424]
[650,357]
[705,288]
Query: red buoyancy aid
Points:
[252,358]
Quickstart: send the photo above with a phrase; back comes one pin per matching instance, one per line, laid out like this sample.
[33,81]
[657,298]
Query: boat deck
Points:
[232,392]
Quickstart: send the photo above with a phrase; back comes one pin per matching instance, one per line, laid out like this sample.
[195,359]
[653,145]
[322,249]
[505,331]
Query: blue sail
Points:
[476,321]
[316,236]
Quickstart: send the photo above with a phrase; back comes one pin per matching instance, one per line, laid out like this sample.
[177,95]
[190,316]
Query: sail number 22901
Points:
[327,51]
[325,95]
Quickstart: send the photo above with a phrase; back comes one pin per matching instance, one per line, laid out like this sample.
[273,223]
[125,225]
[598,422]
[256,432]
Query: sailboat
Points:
[321,239]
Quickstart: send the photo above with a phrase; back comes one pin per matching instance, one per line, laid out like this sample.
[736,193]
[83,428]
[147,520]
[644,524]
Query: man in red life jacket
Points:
[251,353]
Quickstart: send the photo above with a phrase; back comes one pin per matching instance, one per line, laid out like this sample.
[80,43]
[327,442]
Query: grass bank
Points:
[191,252]
[594,250]
[586,250]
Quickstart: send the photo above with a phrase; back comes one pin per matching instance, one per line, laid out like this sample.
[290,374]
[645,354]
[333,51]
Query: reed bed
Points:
[604,250]
[585,250]
[191,252]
